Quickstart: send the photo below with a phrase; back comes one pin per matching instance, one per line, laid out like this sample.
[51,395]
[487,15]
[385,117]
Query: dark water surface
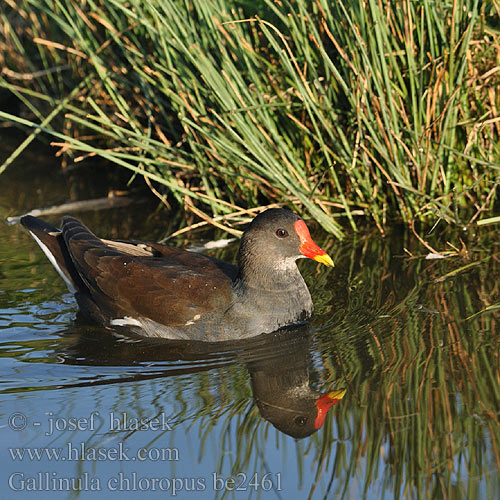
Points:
[414,342]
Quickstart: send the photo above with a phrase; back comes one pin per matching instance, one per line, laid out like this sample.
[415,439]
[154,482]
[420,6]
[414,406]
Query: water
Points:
[110,415]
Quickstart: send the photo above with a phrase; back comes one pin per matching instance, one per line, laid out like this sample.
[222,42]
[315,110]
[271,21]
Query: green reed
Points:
[346,109]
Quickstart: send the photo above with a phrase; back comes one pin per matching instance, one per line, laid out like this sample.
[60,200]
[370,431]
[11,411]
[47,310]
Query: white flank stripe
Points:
[126,321]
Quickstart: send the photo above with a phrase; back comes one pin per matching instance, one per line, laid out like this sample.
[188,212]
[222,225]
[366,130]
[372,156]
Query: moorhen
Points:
[159,291]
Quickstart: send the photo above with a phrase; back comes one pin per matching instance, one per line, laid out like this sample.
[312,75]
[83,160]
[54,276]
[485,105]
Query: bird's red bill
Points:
[308,247]
[324,403]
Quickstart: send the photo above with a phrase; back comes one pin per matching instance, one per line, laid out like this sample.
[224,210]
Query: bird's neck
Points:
[272,276]
[284,289]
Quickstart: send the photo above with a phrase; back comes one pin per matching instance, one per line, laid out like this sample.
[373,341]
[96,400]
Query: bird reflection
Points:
[278,364]
[282,392]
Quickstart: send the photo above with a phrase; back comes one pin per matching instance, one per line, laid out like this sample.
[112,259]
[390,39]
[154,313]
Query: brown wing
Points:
[170,290]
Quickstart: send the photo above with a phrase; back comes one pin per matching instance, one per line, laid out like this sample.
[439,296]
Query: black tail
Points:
[51,241]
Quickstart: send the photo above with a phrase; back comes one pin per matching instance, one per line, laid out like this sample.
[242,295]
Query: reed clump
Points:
[351,110]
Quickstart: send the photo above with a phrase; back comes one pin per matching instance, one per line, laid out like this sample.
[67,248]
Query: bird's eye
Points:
[281,233]
[301,421]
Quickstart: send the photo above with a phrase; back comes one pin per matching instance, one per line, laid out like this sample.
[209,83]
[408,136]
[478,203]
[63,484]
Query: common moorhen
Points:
[159,291]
